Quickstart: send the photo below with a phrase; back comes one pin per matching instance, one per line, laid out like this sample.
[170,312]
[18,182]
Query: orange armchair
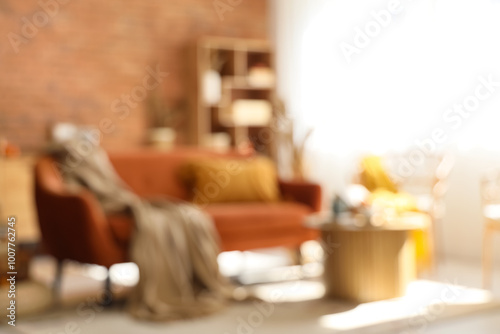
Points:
[73,225]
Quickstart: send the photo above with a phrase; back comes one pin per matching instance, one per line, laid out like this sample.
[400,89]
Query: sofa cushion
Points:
[254,220]
[150,173]
[232,180]
[244,226]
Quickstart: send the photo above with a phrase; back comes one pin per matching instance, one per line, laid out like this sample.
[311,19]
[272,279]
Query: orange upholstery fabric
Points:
[258,225]
[74,226]
[149,173]
[122,228]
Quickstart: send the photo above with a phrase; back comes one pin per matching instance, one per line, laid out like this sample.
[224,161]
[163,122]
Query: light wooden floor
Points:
[454,271]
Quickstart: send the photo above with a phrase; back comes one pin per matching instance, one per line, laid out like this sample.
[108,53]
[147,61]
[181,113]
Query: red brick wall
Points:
[92,51]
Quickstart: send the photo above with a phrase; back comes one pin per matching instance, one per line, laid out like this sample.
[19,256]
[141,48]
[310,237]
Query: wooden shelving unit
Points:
[234,62]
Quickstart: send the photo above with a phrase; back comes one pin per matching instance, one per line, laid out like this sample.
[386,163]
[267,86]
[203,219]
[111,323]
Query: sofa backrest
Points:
[151,173]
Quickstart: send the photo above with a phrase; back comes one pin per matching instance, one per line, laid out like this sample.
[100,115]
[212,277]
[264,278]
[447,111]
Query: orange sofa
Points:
[73,226]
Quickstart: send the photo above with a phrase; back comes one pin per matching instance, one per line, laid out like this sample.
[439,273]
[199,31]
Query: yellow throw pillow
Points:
[374,176]
[232,180]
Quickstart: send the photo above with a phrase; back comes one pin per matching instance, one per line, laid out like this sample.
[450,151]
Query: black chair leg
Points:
[107,296]
[56,285]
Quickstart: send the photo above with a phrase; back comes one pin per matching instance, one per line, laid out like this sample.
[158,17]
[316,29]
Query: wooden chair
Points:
[490,193]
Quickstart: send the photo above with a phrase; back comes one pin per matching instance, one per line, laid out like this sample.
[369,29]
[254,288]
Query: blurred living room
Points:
[249,166]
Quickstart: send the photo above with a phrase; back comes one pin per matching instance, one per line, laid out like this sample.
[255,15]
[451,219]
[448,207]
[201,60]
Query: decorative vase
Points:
[162,138]
[212,87]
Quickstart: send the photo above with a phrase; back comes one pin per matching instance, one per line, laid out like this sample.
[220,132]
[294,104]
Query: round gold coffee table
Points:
[365,264]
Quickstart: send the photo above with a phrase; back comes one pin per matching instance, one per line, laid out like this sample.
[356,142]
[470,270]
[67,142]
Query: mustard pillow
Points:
[232,180]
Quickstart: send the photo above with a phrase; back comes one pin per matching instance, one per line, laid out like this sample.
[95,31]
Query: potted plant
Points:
[164,121]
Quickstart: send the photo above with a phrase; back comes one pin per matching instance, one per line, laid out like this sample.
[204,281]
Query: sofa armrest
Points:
[303,192]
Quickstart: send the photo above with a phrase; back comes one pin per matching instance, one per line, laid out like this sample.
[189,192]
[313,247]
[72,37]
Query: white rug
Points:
[291,307]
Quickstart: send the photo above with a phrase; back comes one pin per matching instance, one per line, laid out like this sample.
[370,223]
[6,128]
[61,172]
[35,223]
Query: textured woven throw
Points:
[175,244]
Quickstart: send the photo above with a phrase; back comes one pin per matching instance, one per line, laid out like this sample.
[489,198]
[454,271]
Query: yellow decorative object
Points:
[423,252]
[374,176]
[232,180]
[384,195]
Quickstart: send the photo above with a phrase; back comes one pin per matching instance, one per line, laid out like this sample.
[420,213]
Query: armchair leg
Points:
[56,285]
[107,296]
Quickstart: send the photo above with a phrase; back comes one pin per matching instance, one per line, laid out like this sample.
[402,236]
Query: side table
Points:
[368,263]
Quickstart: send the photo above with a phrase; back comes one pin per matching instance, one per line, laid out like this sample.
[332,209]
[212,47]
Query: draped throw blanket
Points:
[175,244]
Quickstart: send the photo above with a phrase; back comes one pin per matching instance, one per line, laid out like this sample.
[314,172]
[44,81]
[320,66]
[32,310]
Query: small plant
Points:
[161,115]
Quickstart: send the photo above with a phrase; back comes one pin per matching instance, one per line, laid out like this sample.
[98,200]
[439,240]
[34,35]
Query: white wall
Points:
[394,93]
